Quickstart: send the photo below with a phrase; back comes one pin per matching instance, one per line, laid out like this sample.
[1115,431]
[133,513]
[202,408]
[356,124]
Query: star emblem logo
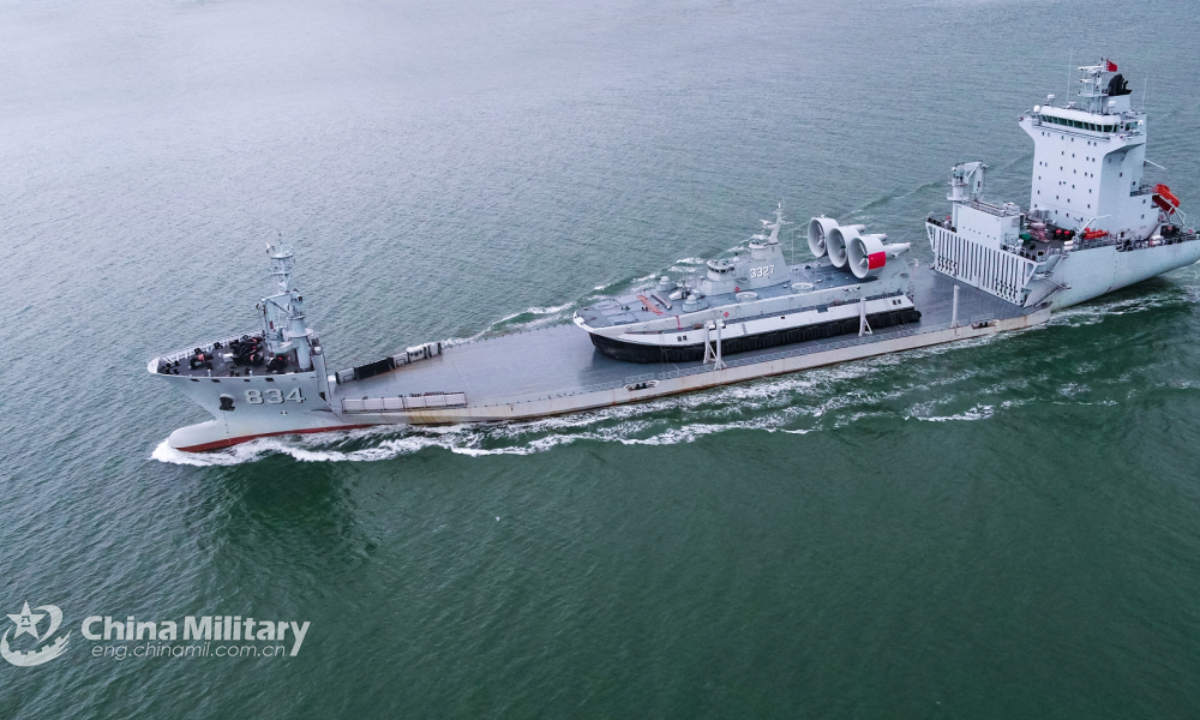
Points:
[26,622]
[28,654]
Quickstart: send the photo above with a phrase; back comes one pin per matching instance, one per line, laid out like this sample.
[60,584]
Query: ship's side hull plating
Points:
[244,408]
[1088,274]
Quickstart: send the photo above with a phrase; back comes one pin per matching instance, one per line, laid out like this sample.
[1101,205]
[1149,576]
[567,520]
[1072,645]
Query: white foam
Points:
[549,310]
[236,455]
[533,311]
[979,412]
[451,342]
[1071,389]
[1096,312]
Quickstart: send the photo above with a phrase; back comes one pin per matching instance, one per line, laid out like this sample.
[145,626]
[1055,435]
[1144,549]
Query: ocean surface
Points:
[1003,528]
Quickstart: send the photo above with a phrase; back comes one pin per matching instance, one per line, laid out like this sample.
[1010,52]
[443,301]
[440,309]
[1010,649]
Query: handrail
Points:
[186,353]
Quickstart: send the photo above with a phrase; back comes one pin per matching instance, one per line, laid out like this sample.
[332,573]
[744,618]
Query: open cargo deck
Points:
[557,369]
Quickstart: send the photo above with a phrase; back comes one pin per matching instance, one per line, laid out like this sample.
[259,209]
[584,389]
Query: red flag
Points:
[1110,66]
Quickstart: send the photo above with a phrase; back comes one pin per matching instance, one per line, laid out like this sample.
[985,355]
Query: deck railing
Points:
[187,353]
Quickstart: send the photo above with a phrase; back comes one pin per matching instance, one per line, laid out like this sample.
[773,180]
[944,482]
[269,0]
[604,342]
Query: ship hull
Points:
[1088,274]
[219,434]
[647,354]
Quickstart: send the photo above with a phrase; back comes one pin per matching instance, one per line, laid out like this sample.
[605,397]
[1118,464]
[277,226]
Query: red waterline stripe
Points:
[219,444]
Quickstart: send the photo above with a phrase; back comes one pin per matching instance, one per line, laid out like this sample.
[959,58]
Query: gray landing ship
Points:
[1095,224]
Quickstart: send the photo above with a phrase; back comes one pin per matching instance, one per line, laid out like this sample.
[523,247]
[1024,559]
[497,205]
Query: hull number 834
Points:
[273,396]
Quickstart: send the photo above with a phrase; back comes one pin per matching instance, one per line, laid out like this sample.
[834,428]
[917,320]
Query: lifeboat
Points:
[1165,199]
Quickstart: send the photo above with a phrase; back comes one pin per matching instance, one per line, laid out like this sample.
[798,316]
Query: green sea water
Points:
[1001,528]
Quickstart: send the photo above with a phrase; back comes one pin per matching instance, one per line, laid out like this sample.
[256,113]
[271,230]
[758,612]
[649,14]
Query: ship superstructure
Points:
[1094,223]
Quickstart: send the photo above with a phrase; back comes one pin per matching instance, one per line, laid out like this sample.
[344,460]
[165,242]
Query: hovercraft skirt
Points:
[637,353]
